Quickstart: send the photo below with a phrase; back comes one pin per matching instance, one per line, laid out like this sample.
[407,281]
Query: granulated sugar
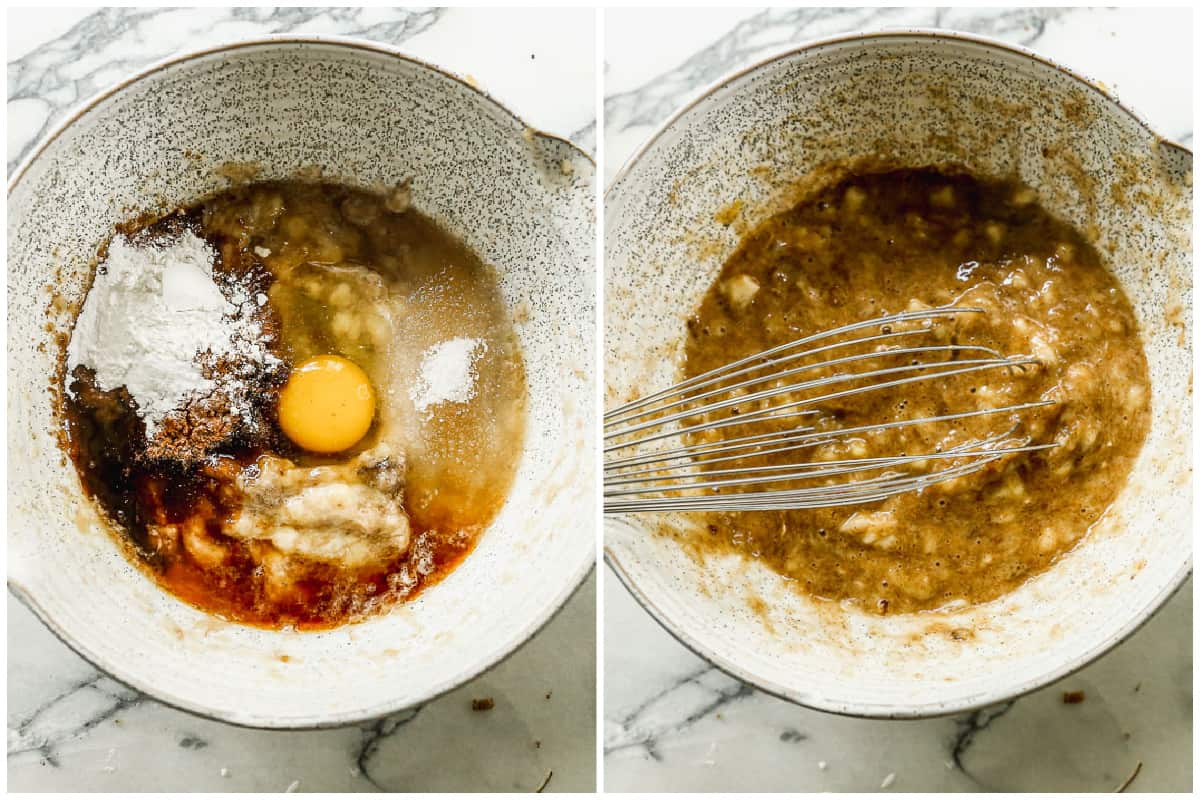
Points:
[153,316]
[447,373]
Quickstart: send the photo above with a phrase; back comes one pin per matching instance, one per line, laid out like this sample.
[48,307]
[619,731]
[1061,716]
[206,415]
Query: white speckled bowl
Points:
[367,114]
[918,98]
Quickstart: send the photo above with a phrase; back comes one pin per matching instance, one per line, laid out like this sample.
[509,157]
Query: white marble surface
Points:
[672,722]
[71,728]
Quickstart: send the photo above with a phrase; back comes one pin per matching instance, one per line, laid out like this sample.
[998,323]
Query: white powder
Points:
[151,314]
[447,373]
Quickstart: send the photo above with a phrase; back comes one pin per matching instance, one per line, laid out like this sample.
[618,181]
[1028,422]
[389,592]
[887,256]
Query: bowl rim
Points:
[348,42]
[981,699]
[928,34]
[317,722]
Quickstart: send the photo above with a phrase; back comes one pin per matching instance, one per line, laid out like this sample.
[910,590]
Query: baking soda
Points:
[447,373]
[153,315]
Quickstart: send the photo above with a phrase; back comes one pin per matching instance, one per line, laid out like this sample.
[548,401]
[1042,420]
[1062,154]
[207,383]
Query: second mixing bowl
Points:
[913,99]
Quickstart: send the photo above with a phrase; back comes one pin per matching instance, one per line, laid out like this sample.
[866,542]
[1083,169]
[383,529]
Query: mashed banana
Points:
[348,514]
[914,239]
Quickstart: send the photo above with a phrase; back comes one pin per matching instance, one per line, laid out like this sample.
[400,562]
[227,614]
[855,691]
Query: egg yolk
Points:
[327,404]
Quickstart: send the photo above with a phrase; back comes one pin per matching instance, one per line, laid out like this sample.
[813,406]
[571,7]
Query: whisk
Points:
[655,460]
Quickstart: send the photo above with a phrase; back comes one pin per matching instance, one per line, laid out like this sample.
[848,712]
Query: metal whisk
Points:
[655,460]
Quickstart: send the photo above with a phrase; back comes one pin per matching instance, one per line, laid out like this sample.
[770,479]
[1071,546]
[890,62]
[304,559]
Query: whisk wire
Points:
[697,475]
[695,453]
[808,471]
[965,367]
[904,316]
[688,399]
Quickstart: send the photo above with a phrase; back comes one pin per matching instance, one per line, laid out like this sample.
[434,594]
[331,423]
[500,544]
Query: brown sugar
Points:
[191,433]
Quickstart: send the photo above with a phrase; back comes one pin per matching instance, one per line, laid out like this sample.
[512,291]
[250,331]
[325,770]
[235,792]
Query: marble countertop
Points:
[71,728]
[673,722]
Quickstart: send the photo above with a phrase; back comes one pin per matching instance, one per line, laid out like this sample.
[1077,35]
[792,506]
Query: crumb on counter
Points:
[545,782]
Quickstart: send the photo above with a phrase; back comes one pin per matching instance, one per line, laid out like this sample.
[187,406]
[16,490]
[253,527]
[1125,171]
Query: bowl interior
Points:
[367,116]
[913,99]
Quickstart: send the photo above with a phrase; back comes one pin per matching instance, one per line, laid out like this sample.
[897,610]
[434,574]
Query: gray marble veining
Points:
[682,724]
[672,722]
[774,29]
[106,45]
[95,52]
[631,114]
[71,728]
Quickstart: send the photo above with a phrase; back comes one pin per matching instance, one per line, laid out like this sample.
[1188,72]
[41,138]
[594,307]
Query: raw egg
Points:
[327,404]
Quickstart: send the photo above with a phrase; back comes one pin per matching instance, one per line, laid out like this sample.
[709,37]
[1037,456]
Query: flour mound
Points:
[154,319]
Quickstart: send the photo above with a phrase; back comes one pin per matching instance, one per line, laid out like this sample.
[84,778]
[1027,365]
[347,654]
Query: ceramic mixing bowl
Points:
[368,115]
[912,98]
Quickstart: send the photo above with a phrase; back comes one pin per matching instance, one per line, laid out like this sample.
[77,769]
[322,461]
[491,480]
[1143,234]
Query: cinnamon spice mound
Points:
[247,387]
[188,434]
[200,429]
[238,412]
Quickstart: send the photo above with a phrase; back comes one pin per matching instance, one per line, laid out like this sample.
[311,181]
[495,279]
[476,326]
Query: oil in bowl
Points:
[346,426]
